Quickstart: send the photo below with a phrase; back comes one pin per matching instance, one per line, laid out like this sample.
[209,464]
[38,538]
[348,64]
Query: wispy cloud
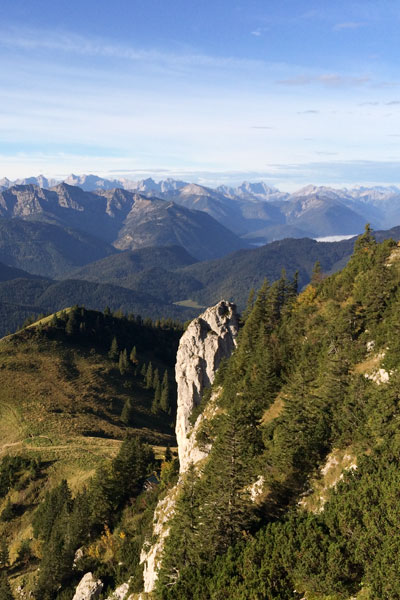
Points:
[308,112]
[261,127]
[95,47]
[349,25]
[389,103]
[326,79]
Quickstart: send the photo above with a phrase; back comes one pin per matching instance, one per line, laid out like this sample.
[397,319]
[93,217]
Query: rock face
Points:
[120,593]
[89,588]
[208,339]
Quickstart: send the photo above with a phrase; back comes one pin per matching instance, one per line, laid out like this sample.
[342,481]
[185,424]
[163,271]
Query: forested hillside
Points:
[299,495]
[87,407]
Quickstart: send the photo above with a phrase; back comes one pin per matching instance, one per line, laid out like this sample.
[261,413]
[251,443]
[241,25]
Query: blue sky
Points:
[285,91]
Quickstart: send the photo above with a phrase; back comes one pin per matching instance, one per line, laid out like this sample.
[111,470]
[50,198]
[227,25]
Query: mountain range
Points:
[255,211]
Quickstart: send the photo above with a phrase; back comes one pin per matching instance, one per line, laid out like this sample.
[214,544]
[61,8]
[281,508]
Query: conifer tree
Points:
[113,353]
[133,356]
[316,276]
[164,398]
[155,407]
[168,454]
[71,327]
[156,379]
[143,371]
[182,548]
[149,376]
[123,362]
[127,412]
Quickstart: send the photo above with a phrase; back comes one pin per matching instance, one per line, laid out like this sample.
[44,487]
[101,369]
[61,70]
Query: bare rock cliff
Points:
[208,339]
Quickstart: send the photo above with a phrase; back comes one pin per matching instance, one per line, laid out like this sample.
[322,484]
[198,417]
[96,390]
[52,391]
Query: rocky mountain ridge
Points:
[256,210]
[127,220]
[208,340]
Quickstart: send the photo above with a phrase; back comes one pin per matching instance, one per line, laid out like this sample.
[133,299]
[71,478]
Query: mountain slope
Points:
[125,219]
[297,486]
[47,249]
[160,223]
[62,400]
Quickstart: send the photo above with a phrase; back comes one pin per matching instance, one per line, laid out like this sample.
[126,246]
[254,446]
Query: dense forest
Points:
[309,411]
[298,497]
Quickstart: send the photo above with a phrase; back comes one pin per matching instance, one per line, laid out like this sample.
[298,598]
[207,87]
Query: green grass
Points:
[189,303]
[61,401]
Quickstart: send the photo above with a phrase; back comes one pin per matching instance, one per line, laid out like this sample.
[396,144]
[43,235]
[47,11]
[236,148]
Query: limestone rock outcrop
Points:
[121,593]
[88,588]
[208,339]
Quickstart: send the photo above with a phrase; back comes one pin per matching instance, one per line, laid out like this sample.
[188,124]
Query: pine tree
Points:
[164,398]
[316,276]
[226,505]
[149,376]
[155,407]
[113,353]
[133,356]
[168,454]
[143,371]
[123,362]
[182,545]
[127,412]
[156,379]
[71,328]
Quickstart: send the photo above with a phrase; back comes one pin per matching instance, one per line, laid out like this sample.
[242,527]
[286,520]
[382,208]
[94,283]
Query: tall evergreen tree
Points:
[113,353]
[149,376]
[127,412]
[164,397]
[155,406]
[123,362]
[133,356]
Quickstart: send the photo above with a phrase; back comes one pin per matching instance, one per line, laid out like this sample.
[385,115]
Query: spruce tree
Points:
[127,412]
[113,353]
[168,454]
[123,362]
[149,376]
[182,544]
[133,356]
[156,379]
[164,398]
[155,407]
[71,328]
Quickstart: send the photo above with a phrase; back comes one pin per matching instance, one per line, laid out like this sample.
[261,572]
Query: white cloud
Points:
[326,79]
[89,46]
[349,25]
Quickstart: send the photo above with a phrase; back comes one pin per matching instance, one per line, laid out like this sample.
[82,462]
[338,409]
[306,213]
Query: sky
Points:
[285,91]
